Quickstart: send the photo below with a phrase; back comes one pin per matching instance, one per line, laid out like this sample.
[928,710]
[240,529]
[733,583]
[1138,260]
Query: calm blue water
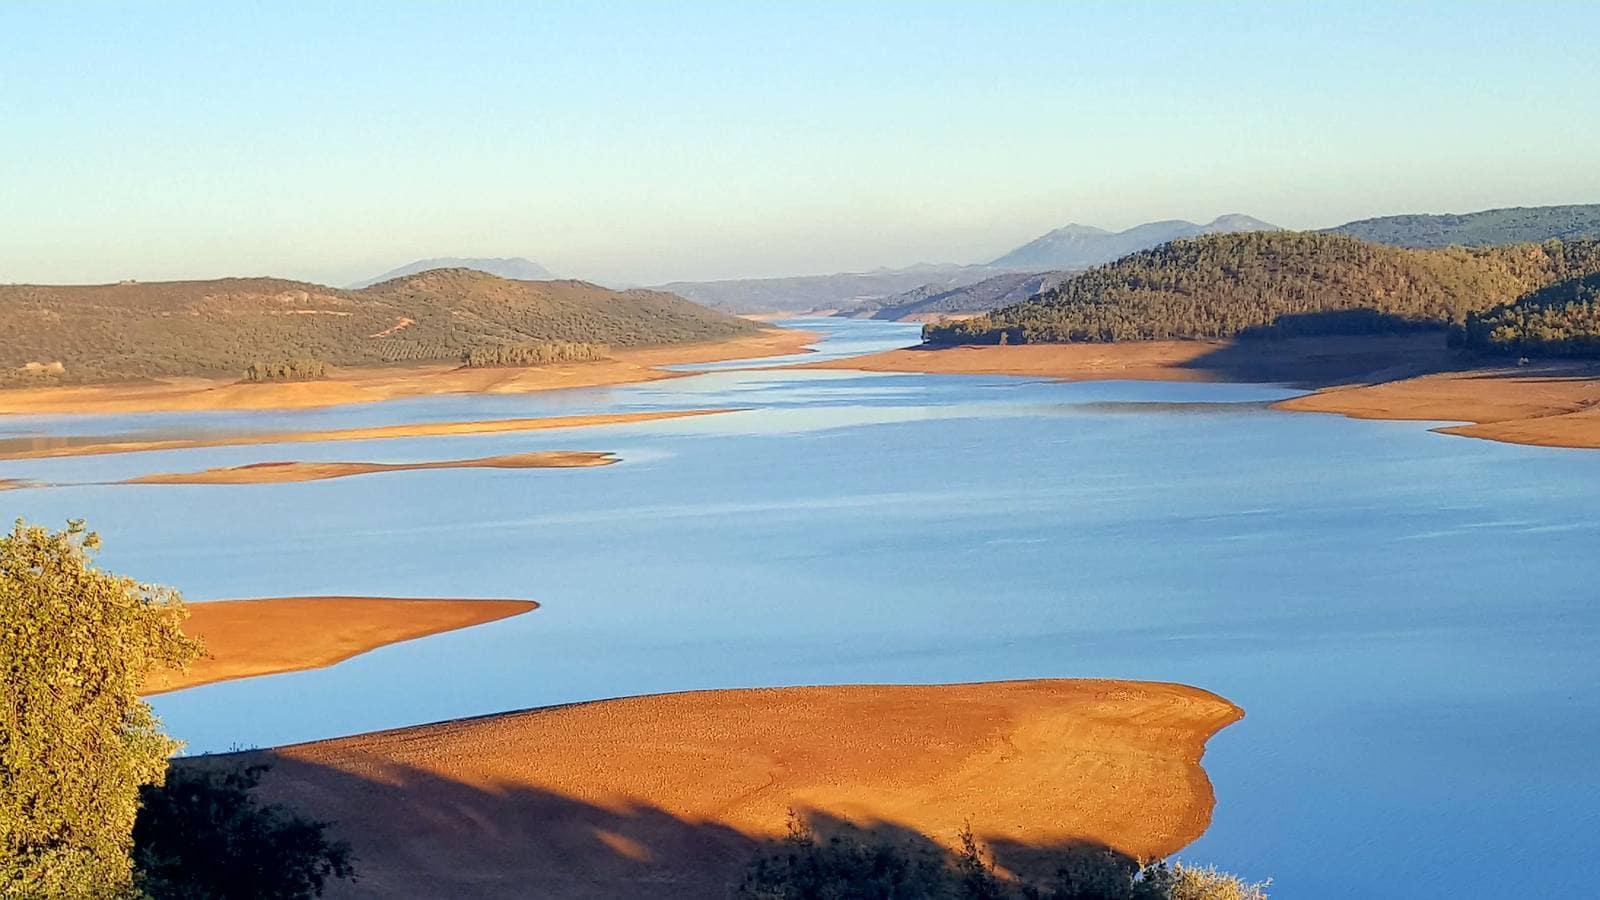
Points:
[1408,619]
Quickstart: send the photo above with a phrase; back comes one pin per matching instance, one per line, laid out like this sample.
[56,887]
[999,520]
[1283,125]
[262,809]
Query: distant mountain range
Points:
[1480,229]
[804,293]
[516,267]
[929,302]
[1080,246]
[863,294]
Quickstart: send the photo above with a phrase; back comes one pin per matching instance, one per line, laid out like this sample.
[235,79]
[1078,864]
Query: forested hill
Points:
[133,330]
[1523,224]
[1224,285]
[1560,320]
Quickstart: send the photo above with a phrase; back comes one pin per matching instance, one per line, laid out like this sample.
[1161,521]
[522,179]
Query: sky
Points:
[635,143]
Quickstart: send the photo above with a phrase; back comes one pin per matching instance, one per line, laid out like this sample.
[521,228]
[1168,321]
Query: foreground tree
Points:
[76,741]
[203,836]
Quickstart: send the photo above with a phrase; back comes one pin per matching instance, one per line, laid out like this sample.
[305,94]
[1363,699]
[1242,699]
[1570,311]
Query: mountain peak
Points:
[1079,246]
[517,267]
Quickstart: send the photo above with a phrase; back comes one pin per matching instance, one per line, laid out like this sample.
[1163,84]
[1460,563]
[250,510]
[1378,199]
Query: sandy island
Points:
[369,385]
[667,795]
[51,447]
[1412,377]
[283,472]
[288,634]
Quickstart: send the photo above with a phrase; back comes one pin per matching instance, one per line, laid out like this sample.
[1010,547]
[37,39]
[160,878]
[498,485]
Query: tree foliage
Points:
[299,369]
[540,354]
[1275,283]
[1560,320]
[203,836]
[76,741]
[805,867]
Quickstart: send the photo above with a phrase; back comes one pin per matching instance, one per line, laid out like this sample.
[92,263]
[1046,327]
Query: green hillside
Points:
[1518,225]
[133,330]
[1226,285]
[1560,320]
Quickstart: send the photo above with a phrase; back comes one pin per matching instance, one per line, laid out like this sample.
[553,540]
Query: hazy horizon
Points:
[636,145]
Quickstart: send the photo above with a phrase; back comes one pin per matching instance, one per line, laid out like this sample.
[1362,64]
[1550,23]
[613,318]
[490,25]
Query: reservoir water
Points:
[1411,621]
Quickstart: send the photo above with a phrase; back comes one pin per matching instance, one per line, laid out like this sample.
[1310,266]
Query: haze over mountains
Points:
[518,267]
[860,293]
[1079,246]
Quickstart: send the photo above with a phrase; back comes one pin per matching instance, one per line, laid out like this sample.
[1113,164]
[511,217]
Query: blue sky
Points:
[636,142]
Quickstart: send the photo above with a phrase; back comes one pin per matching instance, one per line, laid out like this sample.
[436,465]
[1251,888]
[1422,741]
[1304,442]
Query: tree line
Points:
[1275,284]
[539,354]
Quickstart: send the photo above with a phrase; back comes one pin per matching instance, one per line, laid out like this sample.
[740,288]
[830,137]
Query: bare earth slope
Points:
[667,795]
[287,634]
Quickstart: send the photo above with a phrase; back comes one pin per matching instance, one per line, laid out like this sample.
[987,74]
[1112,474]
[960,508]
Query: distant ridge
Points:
[517,267]
[1080,246]
[113,332]
[1512,225]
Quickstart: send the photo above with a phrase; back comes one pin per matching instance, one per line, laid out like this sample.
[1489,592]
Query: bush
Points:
[847,868]
[300,369]
[202,836]
[543,354]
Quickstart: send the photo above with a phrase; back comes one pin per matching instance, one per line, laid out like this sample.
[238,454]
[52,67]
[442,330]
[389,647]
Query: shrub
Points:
[542,354]
[203,836]
[803,867]
[300,369]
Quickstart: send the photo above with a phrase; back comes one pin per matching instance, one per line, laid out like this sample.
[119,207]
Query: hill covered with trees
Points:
[1522,224]
[1276,283]
[135,330]
[1560,320]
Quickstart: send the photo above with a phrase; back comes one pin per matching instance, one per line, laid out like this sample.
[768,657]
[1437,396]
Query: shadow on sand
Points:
[419,835]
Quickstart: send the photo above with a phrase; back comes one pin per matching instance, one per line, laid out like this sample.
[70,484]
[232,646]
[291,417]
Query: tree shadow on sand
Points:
[416,834]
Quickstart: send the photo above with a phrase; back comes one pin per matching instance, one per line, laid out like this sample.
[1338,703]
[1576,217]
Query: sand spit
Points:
[370,385]
[668,795]
[53,447]
[1380,377]
[287,634]
[283,472]
[1548,406]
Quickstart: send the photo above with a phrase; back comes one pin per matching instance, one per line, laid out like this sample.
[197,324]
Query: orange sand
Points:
[1381,377]
[368,385]
[1551,406]
[666,796]
[281,472]
[287,634]
[52,447]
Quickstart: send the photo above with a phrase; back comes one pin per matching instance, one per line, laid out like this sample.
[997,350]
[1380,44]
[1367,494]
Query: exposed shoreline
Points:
[669,795]
[56,447]
[371,384]
[286,472]
[1405,377]
[267,636]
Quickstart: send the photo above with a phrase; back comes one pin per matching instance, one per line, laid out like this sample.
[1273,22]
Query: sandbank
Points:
[1412,377]
[669,795]
[244,638]
[283,472]
[370,385]
[50,447]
